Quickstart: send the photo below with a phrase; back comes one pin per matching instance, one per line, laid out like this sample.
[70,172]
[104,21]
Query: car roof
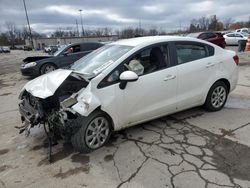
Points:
[195,35]
[152,39]
[81,43]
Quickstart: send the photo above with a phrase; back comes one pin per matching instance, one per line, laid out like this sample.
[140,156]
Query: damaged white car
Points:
[126,83]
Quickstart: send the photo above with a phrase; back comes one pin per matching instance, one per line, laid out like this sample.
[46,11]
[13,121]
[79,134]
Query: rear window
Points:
[191,52]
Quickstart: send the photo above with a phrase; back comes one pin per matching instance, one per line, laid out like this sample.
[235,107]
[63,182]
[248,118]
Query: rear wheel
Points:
[47,68]
[217,96]
[94,132]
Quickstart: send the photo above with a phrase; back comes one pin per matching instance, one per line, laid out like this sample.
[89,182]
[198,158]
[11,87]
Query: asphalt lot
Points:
[190,149]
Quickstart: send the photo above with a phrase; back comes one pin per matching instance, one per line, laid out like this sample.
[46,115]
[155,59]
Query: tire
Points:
[46,68]
[80,139]
[216,97]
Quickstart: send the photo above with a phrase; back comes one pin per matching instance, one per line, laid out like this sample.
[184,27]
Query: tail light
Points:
[236,59]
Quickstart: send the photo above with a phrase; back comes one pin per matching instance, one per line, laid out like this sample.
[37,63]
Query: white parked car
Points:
[233,38]
[126,83]
[243,30]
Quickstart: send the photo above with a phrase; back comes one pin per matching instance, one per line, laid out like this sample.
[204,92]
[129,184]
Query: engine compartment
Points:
[35,111]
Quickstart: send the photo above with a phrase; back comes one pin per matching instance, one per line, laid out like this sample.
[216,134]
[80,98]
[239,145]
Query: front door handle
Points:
[169,77]
[210,65]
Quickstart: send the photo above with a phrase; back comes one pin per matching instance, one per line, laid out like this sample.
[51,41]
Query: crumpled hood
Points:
[45,86]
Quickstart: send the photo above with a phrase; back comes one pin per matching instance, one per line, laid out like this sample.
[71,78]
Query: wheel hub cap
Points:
[97,132]
[218,96]
[49,68]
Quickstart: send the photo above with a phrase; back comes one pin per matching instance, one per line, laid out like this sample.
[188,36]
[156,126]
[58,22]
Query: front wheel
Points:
[47,68]
[217,96]
[94,132]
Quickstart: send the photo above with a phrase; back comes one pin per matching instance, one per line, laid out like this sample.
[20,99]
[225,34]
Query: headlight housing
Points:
[31,64]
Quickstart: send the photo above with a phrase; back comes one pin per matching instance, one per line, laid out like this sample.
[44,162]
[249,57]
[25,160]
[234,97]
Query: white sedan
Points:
[128,82]
[233,38]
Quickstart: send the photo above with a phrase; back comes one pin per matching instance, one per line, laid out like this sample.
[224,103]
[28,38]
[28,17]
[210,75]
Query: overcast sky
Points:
[47,15]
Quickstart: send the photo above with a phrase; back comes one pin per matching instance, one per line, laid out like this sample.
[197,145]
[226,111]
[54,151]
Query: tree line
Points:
[14,35]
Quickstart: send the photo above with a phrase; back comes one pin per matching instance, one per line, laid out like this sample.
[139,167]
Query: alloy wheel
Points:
[218,97]
[97,132]
[49,68]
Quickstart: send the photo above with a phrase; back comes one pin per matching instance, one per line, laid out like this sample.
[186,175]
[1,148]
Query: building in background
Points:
[40,43]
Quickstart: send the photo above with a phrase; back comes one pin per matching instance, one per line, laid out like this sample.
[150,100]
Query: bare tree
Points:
[203,23]
[11,31]
[107,31]
[227,22]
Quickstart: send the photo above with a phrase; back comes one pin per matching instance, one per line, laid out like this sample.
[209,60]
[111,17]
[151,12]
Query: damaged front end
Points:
[50,106]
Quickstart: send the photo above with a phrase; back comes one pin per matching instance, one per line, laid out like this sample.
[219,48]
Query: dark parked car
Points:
[213,37]
[27,48]
[63,58]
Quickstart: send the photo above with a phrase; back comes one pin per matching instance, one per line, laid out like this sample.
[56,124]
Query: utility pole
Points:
[180,27]
[140,30]
[31,40]
[80,10]
[77,29]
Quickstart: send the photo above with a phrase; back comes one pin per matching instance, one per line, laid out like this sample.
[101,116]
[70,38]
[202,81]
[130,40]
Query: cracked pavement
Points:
[189,149]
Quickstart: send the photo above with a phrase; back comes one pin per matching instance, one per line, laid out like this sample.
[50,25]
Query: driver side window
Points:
[73,49]
[144,62]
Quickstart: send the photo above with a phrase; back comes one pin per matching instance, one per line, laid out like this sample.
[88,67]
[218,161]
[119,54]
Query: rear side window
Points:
[76,48]
[231,35]
[203,36]
[89,46]
[211,35]
[238,35]
[191,52]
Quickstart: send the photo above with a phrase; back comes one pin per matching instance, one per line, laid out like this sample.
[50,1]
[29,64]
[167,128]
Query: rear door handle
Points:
[169,77]
[210,65]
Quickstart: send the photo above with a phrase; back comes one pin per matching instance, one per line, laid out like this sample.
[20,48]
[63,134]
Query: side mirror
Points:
[127,76]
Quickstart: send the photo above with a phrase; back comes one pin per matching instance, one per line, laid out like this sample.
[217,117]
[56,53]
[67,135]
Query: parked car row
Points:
[213,37]
[4,49]
[233,38]
[123,84]
[222,39]
[243,30]
[50,49]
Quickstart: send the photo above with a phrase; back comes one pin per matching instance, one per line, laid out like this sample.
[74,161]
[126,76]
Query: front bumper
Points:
[32,71]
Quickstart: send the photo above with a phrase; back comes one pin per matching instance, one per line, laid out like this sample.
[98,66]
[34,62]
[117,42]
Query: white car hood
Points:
[45,86]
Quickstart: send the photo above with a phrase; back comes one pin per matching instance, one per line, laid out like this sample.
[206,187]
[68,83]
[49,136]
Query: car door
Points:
[237,38]
[230,39]
[153,94]
[195,71]
[211,37]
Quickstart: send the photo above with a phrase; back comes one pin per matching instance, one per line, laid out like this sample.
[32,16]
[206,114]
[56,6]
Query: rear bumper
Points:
[234,79]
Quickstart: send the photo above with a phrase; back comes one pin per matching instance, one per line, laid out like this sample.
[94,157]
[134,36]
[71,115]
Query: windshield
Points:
[98,60]
[59,50]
